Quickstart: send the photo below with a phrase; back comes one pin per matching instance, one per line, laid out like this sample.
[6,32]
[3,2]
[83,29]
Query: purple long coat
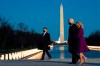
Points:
[82,46]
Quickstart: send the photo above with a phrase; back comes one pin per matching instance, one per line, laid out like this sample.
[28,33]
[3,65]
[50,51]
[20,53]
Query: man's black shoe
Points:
[41,59]
[77,59]
[50,58]
[72,63]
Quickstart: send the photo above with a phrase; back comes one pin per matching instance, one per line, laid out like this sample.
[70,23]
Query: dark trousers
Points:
[75,57]
[47,52]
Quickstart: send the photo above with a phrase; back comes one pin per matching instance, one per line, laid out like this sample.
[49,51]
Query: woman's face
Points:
[78,25]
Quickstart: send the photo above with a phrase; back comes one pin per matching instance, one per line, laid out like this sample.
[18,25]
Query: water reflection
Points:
[55,52]
[61,48]
[60,52]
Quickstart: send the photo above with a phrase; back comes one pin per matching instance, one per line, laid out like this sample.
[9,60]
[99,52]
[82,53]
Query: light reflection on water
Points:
[64,54]
[60,52]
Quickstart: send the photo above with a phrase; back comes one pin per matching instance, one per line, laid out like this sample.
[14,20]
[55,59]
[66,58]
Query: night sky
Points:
[37,14]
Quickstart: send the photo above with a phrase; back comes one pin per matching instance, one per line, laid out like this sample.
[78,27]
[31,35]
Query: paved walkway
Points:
[43,63]
[61,57]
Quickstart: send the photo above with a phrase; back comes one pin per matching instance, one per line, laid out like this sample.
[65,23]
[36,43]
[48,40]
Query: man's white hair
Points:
[71,19]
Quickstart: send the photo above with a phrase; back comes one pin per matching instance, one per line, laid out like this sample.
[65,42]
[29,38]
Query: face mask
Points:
[69,23]
[43,30]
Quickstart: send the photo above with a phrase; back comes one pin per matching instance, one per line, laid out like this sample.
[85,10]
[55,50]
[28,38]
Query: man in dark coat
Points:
[46,43]
[72,41]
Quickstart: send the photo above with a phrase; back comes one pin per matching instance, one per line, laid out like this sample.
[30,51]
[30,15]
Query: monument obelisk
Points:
[61,24]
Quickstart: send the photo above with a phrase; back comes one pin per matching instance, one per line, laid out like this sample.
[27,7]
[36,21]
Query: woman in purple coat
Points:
[82,46]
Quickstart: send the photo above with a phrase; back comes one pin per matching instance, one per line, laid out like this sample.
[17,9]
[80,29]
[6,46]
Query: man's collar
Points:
[71,24]
[45,32]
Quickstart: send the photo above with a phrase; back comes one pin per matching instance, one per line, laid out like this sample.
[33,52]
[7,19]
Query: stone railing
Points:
[94,48]
[18,55]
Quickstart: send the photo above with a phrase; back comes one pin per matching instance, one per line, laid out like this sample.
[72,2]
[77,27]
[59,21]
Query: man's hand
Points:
[48,45]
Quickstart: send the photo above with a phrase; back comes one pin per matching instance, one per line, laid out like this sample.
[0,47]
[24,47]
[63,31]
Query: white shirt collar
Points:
[44,33]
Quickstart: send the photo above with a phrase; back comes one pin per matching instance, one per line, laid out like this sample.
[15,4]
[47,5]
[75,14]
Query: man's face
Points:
[44,30]
[71,21]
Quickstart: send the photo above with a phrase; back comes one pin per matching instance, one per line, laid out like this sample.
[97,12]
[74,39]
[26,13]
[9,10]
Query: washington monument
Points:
[61,24]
